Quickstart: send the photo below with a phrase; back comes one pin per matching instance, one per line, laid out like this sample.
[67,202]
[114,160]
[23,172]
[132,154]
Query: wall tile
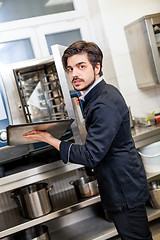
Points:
[149,100]
[127,84]
[123,65]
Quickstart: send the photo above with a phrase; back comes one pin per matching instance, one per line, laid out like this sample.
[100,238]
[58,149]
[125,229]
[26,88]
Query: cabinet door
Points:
[144,52]
[153,23]
[62,33]
[18,45]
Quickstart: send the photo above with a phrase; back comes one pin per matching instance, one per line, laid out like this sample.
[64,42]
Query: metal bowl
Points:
[85,186]
[39,232]
[155,198]
[154,187]
[8,238]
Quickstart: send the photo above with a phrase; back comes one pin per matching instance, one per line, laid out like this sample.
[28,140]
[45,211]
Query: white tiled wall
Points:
[115,15]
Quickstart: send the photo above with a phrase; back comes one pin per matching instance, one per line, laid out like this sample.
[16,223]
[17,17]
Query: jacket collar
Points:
[93,95]
[95,91]
[94,84]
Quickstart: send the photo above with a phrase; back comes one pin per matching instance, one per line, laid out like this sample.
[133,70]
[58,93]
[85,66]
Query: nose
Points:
[74,72]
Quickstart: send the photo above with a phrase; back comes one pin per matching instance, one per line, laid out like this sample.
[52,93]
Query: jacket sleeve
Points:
[104,124]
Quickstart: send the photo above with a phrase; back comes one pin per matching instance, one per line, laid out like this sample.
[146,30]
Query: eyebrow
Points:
[77,64]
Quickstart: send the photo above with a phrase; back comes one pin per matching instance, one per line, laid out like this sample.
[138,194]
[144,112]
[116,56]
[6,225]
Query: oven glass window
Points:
[41,93]
[11,10]
[63,38]
[15,51]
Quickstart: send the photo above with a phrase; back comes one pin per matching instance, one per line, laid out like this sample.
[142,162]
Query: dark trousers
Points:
[132,224]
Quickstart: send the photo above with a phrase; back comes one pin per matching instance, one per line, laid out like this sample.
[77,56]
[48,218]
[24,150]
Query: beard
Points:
[87,86]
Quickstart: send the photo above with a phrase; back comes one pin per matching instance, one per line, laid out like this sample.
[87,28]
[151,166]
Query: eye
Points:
[81,66]
[69,69]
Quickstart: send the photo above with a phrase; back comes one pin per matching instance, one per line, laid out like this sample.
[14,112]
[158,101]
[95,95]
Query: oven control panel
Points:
[4,120]
[3,135]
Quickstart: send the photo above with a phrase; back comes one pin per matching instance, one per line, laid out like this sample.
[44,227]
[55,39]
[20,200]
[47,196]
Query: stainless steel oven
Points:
[35,91]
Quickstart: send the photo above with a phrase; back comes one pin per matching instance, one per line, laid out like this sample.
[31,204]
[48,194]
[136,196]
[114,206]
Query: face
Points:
[81,72]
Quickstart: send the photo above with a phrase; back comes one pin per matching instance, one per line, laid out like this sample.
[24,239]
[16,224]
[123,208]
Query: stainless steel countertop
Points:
[141,136]
[146,135]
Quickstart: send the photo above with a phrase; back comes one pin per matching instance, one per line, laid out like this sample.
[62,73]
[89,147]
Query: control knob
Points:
[3,136]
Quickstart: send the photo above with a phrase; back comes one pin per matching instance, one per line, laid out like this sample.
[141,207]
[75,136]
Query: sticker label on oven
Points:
[2,109]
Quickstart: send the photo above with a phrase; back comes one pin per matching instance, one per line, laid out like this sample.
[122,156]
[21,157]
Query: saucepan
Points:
[33,200]
[39,232]
[85,186]
[8,238]
[154,187]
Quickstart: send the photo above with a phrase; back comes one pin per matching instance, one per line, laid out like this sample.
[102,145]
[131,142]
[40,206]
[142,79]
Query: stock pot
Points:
[85,186]
[39,232]
[33,200]
[8,238]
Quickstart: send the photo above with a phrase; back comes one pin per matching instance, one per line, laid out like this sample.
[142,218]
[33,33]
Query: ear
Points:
[97,68]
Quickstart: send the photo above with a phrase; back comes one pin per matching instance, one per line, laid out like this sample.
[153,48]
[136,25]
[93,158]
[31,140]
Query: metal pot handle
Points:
[50,188]
[71,182]
[13,195]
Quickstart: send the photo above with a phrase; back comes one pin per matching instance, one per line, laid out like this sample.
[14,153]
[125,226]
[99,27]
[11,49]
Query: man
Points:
[109,147]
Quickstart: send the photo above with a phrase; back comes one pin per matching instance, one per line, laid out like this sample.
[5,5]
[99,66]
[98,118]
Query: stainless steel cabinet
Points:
[70,218]
[143,40]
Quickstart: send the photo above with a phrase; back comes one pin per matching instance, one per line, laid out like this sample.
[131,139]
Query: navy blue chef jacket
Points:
[110,150]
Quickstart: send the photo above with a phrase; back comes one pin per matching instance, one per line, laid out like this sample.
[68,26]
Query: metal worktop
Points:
[142,136]
[146,135]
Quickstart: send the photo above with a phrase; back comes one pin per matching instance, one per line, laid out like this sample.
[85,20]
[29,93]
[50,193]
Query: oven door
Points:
[7,153]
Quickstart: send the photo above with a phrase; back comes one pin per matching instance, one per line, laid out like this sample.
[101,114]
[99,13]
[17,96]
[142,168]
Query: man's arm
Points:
[43,137]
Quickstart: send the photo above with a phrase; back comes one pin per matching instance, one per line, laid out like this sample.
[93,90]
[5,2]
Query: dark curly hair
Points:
[95,54]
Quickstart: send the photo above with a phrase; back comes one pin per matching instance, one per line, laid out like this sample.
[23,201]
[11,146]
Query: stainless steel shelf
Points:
[153,213]
[154,227]
[12,222]
[153,176]
[35,174]
[94,228]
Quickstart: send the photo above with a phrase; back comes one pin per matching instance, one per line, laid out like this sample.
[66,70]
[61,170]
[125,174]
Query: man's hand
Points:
[43,137]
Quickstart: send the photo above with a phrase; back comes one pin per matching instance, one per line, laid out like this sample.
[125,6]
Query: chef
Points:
[109,147]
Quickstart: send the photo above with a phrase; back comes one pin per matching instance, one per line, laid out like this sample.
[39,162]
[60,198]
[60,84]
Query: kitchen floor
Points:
[154,227]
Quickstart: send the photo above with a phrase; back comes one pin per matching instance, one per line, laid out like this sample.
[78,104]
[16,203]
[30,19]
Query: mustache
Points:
[76,78]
